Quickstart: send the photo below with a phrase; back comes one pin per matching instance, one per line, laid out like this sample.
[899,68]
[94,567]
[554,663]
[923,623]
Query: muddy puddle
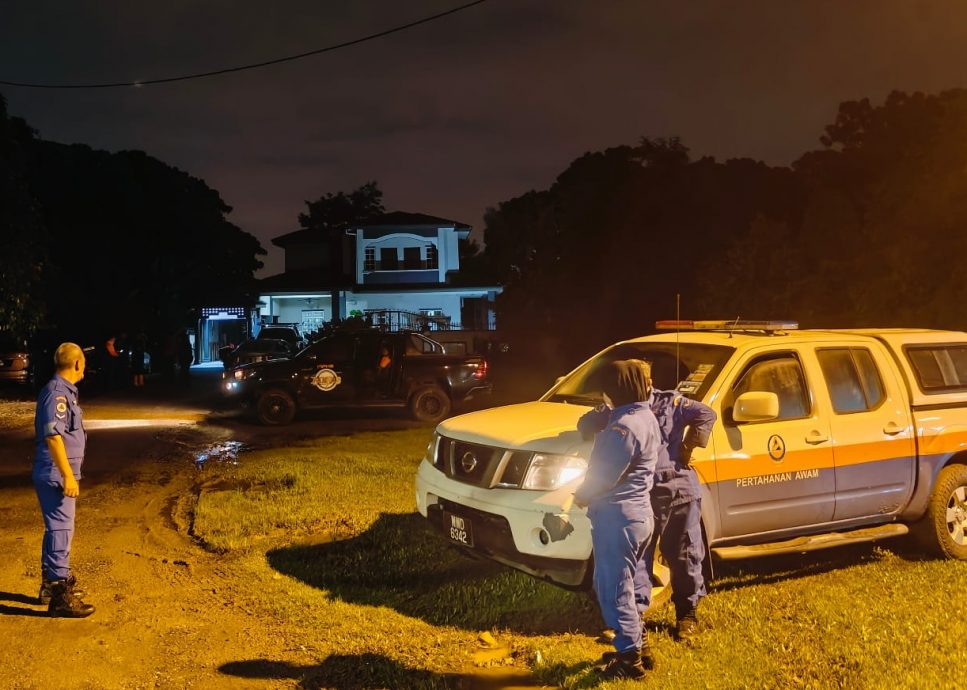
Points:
[224,452]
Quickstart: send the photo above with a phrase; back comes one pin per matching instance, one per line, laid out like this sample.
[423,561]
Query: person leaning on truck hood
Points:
[676,499]
[616,491]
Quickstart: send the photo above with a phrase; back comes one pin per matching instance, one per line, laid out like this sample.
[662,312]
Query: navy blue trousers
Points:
[58,511]
[619,541]
[678,531]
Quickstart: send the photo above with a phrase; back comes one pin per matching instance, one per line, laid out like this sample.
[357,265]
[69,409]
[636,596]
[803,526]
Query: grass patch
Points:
[392,597]
[335,485]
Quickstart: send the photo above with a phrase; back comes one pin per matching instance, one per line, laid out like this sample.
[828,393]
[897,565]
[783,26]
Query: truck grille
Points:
[480,465]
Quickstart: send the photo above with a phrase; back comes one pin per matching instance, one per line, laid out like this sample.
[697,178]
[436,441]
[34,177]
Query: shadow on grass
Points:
[398,562]
[767,570]
[344,672]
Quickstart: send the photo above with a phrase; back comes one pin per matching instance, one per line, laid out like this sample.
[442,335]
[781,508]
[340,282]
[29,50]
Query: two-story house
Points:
[385,269]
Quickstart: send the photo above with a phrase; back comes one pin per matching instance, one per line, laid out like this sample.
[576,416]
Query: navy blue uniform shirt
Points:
[622,463]
[58,414]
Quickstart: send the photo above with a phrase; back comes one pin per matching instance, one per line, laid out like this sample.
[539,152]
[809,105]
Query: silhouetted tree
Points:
[883,228]
[134,243]
[602,253]
[23,256]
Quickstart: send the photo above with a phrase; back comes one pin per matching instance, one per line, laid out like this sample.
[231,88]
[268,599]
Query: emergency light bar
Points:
[732,325]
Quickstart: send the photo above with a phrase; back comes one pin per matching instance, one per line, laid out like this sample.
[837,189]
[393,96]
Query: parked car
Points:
[15,364]
[287,333]
[257,350]
[360,369]
[823,438]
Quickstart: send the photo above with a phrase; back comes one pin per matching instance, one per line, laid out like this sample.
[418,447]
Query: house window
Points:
[432,311]
[369,259]
[432,257]
[411,259]
[389,259]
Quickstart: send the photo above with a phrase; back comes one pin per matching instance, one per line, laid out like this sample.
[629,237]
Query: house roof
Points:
[306,280]
[386,220]
[403,218]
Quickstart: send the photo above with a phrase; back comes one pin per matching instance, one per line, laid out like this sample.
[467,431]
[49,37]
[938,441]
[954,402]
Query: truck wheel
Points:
[429,404]
[275,407]
[943,529]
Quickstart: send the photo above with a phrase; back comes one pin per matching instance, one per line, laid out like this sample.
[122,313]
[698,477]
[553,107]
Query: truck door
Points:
[873,446]
[776,474]
[326,372]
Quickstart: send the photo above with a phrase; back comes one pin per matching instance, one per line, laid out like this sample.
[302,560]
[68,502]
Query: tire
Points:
[275,407]
[943,530]
[429,404]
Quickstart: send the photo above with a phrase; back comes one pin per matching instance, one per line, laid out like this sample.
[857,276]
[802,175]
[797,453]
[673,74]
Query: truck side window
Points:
[939,368]
[336,349]
[781,375]
[852,379]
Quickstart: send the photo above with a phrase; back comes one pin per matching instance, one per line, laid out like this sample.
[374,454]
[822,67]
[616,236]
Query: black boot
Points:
[43,597]
[646,656]
[687,627]
[65,602]
[624,665]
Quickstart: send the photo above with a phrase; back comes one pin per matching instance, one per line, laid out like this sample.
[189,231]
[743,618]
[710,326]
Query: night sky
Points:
[459,114]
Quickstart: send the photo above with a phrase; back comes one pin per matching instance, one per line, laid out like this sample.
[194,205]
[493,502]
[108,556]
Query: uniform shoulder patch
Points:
[620,429]
[60,397]
[62,407]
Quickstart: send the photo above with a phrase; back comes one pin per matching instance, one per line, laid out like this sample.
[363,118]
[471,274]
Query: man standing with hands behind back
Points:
[58,458]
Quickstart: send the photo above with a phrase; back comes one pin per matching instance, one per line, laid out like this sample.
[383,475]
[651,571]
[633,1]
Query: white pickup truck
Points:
[823,438]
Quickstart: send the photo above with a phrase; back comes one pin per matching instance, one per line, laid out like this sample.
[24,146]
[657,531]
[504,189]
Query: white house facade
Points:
[403,263]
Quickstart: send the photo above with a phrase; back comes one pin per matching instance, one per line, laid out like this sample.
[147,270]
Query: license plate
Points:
[458,529]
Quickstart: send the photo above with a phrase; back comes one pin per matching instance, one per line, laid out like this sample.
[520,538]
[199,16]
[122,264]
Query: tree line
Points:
[866,230]
[96,243]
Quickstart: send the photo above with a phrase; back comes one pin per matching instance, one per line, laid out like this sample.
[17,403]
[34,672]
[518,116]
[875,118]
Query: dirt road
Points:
[169,614]
[163,605]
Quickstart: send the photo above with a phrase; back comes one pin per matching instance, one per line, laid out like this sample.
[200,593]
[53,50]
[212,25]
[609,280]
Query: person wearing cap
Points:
[616,491]
[58,456]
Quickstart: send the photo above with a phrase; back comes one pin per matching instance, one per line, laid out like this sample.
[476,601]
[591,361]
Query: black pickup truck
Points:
[361,369]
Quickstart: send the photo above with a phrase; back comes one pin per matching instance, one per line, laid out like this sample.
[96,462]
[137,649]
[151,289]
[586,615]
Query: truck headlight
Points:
[242,374]
[547,472]
[431,448]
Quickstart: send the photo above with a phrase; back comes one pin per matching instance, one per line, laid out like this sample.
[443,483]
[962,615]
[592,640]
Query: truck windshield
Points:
[691,372]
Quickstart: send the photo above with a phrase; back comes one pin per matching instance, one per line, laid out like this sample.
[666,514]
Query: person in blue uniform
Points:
[58,458]
[616,491]
[676,499]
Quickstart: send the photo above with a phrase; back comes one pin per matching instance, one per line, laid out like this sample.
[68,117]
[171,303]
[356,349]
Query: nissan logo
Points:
[468,462]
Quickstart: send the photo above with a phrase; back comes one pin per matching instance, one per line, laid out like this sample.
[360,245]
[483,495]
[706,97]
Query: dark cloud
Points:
[457,115]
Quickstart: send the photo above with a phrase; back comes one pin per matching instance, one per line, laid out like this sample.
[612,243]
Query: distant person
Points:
[169,355]
[385,360]
[138,347]
[186,356]
[112,363]
[58,458]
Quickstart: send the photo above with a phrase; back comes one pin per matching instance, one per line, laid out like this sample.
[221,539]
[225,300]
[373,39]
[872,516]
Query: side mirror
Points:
[756,406]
